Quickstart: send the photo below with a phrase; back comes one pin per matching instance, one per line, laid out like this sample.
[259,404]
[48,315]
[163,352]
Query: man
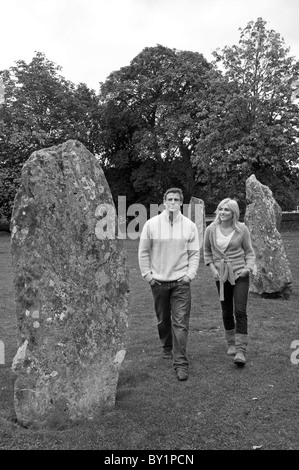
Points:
[168,258]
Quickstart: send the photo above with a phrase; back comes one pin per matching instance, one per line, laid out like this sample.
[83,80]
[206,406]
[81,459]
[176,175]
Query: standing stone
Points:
[71,284]
[263,216]
[196,212]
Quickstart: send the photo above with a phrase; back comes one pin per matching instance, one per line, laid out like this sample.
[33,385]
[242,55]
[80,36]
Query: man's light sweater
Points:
[238,255]
[168,251]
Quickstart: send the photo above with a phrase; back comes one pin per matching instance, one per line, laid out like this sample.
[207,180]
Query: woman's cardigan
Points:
[238,255]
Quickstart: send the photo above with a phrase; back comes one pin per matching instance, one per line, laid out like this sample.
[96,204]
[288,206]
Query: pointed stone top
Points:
[255,189]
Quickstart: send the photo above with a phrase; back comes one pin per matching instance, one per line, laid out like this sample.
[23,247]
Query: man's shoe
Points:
[182,374]
[167,355]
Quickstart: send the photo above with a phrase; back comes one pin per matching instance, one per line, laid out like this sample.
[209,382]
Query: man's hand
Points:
[186,279]
[154,281]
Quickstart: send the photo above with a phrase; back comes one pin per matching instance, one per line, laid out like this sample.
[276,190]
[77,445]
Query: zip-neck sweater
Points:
[168,250]
[238,255]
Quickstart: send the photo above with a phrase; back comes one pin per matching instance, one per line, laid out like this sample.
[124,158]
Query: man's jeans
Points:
[172,304]
[234,305]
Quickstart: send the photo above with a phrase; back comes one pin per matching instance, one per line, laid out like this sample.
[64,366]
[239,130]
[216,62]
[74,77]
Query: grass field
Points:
[220,407]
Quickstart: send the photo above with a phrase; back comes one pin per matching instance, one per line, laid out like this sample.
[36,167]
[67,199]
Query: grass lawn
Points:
[220,407]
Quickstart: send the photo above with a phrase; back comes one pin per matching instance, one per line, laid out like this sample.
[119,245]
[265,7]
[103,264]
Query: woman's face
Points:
[225,213]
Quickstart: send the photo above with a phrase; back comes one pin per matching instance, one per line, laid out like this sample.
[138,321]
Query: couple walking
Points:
[168,258]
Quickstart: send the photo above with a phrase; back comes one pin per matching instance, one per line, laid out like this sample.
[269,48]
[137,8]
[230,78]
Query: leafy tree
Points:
[150,111]
[251,124]
[41,109]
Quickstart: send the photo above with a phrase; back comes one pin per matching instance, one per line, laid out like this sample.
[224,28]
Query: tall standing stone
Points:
[71,284]
[263,216]
[196,212]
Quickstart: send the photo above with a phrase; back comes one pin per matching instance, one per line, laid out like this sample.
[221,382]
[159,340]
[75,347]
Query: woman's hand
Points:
[214,272]
[245,272]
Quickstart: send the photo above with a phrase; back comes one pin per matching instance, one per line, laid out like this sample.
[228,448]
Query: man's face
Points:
[172,202]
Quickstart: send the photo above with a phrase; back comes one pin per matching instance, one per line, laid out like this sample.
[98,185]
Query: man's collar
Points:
[176,216]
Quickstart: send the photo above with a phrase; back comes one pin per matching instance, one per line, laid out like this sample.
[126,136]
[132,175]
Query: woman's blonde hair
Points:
[234,207]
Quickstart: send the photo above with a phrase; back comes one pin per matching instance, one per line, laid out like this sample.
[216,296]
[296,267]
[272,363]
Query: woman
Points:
[229,253]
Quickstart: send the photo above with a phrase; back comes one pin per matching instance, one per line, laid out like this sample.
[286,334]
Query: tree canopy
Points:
[251,126]
[41,109]
[149,121]
[169,118]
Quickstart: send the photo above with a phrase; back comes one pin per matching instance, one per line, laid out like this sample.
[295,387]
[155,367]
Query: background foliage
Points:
[252,123]
[41,109]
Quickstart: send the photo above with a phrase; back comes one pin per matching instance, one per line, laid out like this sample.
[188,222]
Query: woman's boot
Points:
[241,346]
[230,338]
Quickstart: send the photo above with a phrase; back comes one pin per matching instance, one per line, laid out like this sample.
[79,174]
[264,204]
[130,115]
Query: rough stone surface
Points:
[71,285]
[263,216]
[196,212]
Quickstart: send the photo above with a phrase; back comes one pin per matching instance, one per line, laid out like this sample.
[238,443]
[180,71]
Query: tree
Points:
[251,126]
[150,111]
[41,109]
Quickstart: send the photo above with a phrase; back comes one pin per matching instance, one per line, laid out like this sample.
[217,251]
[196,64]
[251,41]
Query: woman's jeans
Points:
[172,302]
[234,304]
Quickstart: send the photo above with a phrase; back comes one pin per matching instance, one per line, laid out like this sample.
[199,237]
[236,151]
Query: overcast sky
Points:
[90,39]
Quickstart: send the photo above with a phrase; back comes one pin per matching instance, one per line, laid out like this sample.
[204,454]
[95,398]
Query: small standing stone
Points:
[71,285]
[263,216]
[196,212]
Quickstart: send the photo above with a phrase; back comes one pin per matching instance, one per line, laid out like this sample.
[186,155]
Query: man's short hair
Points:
[174,190]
